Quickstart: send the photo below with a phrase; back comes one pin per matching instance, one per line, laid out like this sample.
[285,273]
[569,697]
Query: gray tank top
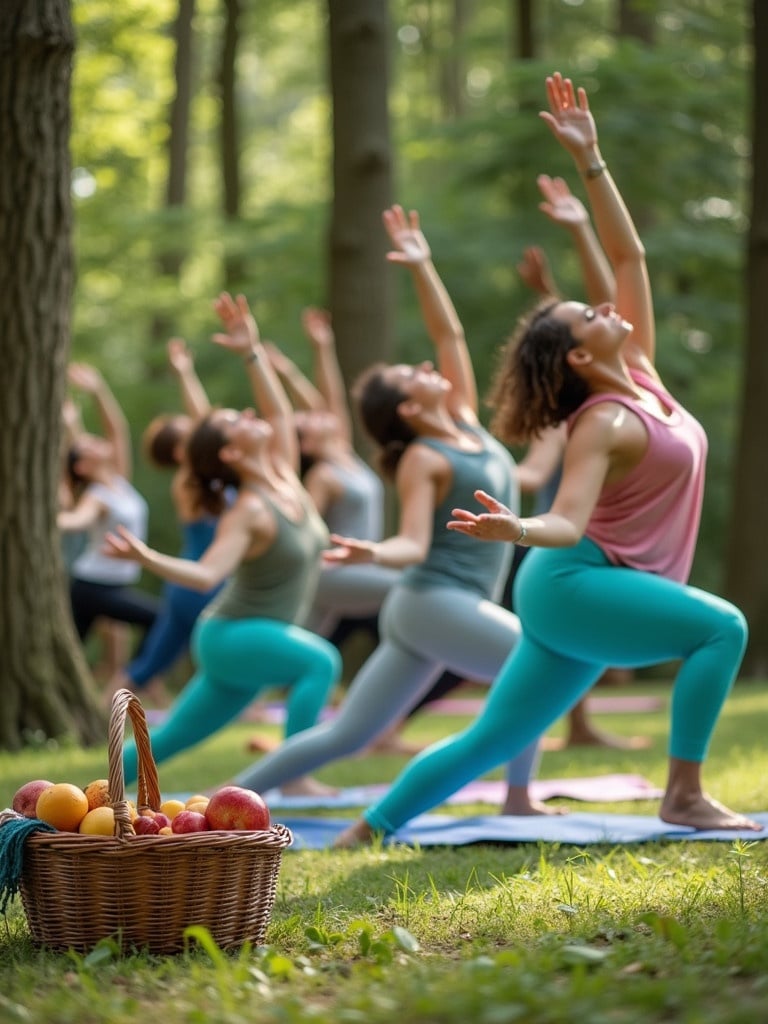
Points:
[455,560]
[359,512]
[279,584]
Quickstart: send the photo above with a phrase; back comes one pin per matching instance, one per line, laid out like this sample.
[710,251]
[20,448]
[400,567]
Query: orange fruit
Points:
[197,805]
[97,793]
[198,798]
[98,822]
[63,805]
[171,808]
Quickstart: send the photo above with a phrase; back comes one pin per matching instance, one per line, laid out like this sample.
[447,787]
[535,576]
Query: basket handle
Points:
[125,703]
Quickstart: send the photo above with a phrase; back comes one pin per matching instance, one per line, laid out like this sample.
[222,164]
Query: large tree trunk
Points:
[171,259]
[229,137]
[45,684]
[360,283]
[747,578]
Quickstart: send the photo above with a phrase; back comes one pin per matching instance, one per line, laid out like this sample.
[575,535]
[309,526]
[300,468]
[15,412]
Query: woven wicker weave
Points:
[145,890]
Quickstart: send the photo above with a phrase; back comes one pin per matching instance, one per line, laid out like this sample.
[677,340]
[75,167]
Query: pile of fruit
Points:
[88,811]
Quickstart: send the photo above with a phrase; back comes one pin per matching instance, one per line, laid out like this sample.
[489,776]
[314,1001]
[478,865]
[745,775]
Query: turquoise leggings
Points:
[237,659]
[580,615]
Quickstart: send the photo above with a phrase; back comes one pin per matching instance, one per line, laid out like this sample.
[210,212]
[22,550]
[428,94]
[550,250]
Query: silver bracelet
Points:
[523,534]
[595,170]
[252,357]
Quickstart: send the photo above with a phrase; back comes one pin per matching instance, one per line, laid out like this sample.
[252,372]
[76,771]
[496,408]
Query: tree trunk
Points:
[171,259]
[229,137]
[524,45]
[360,282]
[747,579]
[452,63]
[636,20]
[45,683]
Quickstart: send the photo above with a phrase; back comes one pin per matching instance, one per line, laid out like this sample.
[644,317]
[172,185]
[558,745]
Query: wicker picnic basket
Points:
[143,891]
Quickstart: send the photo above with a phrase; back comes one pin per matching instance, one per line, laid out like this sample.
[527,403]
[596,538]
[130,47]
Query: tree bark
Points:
[360,283]
[46,687]
[635,19]
[524,43]
[229,136]
[171,259]
[747,579]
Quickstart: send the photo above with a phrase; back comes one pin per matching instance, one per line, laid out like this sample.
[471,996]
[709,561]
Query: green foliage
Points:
[673,124]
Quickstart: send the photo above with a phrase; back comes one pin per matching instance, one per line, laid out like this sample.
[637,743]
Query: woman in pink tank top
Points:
[607,583]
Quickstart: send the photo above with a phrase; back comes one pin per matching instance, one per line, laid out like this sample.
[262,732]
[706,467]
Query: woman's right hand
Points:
[349,551]
[124,546]
[405,233]
[179,356]
[242,333]
[569,117]
[560,204]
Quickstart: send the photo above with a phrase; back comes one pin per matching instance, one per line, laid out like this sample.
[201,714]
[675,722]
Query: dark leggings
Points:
[121,603]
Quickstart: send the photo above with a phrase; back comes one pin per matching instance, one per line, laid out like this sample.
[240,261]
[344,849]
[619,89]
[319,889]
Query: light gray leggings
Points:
[424,632]
[349,591]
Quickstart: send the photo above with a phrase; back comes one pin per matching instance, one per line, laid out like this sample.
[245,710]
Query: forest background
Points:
[673,126]
[218,144]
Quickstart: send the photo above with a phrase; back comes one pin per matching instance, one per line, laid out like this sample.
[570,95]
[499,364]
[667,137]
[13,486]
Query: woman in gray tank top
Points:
[443,612]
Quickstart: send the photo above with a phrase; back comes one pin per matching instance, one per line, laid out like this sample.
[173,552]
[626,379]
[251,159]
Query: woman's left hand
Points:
[349,551]
[498,523]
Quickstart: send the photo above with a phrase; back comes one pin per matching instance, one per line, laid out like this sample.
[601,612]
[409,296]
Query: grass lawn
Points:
[487,933]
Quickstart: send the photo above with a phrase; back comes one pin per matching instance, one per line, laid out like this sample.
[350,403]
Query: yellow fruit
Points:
[63,805]
[97,793]
[171,808]
[198,798]
[197,805]
[98,822]
[166,830]
[132,810]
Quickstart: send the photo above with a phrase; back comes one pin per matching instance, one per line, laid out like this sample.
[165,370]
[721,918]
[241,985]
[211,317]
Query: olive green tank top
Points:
[280,583]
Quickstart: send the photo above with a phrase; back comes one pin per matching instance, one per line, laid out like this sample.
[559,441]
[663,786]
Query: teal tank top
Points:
[279,584]
[455,560]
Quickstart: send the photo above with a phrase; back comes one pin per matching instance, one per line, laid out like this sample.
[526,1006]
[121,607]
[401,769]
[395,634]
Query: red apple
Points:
[25,798]
[145,826]
[189,821]
[163,821]
[233,807]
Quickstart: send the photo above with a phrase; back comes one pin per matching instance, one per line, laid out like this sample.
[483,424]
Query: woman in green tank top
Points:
[268,546]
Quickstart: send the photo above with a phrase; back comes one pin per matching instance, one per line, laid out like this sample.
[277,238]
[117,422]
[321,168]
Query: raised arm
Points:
[328,376]
[440,317]
[571,122]
[113,422]
[193,394]
[300,388]
[562,207]
[242,337]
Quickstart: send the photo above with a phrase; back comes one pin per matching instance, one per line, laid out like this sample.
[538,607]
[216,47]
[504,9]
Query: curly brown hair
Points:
[377,402]
[209,475]
[534,386]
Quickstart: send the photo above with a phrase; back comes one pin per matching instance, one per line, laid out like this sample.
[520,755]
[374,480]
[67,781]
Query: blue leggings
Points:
[423,631]
[170,634]
[580,614]
[237,659]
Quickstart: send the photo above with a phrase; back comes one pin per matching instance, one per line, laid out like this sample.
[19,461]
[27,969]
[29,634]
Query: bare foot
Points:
[702,812]
[358,834]
[258,744]
[307,786]
[595,738]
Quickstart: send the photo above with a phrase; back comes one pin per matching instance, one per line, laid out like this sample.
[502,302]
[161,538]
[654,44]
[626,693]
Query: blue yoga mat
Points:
[572,829]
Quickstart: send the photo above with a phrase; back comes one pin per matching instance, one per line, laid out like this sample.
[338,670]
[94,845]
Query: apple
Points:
[189,821]
[233,807]
[162,820]
[25,798]
[145,826]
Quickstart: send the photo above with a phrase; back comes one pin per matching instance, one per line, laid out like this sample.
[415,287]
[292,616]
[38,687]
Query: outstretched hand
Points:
[84,377]
[236,317]
[560,204]
[349,551]
[535,272]
[569,117]
[317,326]
[411,247]
[179,356]
[498,523]
[124,546]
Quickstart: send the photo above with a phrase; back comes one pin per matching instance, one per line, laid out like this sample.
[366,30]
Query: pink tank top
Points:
[650,519]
